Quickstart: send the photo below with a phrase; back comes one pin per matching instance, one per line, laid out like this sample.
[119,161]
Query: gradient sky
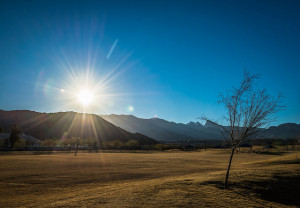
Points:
[169,59]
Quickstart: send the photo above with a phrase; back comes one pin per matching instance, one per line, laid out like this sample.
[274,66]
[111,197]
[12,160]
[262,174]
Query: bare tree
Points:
[248,110]
[76,146]
[14,134]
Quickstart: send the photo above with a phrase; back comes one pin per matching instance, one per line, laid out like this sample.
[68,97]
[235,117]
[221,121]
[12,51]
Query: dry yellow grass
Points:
[147,179]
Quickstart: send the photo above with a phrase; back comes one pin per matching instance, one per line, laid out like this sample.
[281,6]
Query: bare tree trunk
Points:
[228,169]
[76,148]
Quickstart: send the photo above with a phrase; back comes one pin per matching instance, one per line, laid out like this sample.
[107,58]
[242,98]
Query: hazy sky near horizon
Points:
[169,59]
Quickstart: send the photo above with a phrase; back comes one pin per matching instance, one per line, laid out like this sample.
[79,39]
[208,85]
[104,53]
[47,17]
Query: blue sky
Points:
[169,59]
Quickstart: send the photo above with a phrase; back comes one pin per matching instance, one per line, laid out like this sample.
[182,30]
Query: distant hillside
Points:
[163,130]
[122,127]
[286,130]
[67,124]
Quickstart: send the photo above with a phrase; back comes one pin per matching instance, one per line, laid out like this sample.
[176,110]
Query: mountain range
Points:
[68,124]
[163,130]
[122,127]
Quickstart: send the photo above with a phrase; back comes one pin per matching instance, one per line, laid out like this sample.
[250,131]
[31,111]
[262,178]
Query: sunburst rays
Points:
[88,84]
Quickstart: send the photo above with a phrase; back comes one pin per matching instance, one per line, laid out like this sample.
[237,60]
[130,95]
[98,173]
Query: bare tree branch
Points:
[248,111]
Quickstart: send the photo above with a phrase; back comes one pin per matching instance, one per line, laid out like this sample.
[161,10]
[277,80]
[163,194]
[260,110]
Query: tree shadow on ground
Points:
[280,189]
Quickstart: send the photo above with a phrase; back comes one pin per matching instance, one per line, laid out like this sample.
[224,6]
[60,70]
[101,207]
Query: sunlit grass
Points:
[142,179]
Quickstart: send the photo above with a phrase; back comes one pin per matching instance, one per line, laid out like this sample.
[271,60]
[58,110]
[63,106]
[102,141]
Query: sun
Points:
[85,97]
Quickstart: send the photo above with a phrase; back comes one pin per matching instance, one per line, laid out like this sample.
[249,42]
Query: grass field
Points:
[148,179]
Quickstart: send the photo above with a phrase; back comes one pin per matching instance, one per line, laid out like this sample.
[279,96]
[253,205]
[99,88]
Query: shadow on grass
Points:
[280,189]
[290,161]
[271,153]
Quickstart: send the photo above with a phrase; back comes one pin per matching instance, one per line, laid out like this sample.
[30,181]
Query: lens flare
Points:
[130,108]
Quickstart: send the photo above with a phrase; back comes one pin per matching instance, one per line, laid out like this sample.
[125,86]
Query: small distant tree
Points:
[247,111]
[2,129]
[19,145]
[92,143]
[116,144]
[76,141]
[158,147]
[132,144]
[2,142]
[14,134]
[50,142]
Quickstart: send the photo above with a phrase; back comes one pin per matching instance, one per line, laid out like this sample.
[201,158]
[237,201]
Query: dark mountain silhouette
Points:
[67,124]
[286,130]
[122,127]
[163,130]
